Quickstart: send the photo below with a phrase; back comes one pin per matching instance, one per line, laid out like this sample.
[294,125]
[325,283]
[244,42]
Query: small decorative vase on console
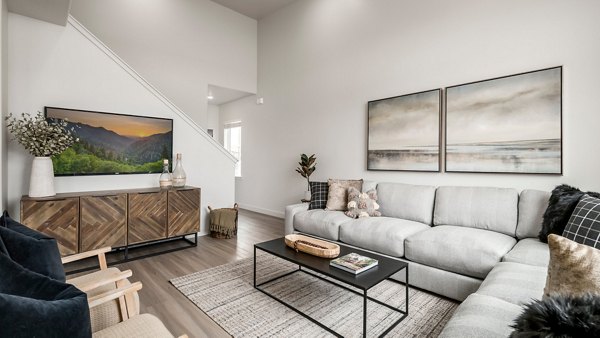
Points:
[179,177]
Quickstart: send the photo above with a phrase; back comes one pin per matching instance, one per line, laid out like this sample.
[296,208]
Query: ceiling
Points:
[223,95]
[53,11]
[256,9]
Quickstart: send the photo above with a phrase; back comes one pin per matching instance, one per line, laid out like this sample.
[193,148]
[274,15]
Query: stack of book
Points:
[354,263]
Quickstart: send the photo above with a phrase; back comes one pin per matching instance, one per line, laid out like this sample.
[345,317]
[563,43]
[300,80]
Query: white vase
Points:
[307,195]
[41,182]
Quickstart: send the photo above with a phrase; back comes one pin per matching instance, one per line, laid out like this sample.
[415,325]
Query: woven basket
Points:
[218,235]
[312,246]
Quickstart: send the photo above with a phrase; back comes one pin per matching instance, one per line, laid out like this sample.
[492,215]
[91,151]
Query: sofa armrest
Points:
[290,211]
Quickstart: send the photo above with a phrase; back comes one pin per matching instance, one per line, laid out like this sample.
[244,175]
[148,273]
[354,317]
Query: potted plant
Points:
[306,168]
[43,139]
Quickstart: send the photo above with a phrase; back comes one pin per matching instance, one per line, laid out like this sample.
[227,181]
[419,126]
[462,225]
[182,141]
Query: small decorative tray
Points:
[312,246]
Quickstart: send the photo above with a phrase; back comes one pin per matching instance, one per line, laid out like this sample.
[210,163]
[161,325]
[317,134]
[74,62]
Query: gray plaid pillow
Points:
[584,224]
[318,195]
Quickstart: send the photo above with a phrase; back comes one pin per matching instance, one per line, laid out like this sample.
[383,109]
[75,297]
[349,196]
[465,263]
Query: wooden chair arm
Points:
[98,252]
[111,278]
[114,294]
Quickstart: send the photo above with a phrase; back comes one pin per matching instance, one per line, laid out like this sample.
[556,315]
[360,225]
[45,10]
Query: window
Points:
[233,143]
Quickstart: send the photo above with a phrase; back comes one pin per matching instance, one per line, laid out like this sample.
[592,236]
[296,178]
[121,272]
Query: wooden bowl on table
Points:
[312,246]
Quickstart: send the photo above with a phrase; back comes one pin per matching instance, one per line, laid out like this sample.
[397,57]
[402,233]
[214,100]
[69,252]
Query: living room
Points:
[304,77]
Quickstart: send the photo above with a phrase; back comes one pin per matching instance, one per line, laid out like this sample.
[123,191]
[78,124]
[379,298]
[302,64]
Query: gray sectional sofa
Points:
[477,245]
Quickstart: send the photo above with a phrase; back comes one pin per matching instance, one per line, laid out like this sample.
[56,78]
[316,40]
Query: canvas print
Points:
[113,143]
[404,132]
[506,125]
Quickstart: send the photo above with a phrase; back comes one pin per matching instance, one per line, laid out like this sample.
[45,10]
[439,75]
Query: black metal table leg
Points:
[365,314]
[406,287]
[364,294]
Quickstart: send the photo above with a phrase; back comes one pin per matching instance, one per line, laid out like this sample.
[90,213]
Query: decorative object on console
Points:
[559,316]
[223,222]
[42,139]
[318,195]
[165,180]
[510,124]
[179,177]
[113,143]
[306,168]
[337,196]
[574,268]
[404,132]
[561,205]
[312,246]
[584,224]
[362,204]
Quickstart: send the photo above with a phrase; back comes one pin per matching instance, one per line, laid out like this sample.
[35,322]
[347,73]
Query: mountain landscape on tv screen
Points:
[103,151]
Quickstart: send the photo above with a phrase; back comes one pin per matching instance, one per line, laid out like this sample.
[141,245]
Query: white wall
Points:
[212,121]
[51,65]
[321,61]
[180,46]
[3,101]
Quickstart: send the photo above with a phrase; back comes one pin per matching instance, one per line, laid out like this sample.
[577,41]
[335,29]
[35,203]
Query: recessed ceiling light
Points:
[210,97]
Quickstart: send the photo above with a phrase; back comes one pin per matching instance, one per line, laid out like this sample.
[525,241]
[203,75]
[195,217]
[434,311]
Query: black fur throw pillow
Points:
[561,205]
[559,316]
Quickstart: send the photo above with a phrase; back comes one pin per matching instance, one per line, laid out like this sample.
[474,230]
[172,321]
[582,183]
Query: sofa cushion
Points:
[532,205]
[477,207]
[31,249]
[382,234]
[515,283]
[574,268]
[467,251]
[34,305]
[584,224]
[406,201]
[322,223]
[337,196]
[482,316]
[529,251]
[318,195]
[560,316]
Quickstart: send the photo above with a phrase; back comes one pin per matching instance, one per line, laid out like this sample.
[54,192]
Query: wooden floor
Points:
[178,313]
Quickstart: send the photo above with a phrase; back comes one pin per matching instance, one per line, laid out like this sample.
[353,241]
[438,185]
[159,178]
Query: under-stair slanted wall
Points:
[69,67]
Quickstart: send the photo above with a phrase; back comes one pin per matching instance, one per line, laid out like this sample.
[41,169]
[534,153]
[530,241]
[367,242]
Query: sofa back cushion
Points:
[477,207]
[31,249]
[532,205]
[406,201]
[33,305]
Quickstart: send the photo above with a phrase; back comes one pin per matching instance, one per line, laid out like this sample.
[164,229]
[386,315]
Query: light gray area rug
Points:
[226,294]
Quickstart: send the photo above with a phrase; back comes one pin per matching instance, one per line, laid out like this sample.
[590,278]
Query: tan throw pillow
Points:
[337,198]
[574,268]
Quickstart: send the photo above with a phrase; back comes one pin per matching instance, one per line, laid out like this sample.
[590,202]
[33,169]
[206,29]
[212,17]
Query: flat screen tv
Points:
[111,144]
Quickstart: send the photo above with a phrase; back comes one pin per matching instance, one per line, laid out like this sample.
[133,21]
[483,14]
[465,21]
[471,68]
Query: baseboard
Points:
[278,214]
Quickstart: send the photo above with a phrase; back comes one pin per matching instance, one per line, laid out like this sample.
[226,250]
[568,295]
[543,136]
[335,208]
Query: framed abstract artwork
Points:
[511,124]
[404,132]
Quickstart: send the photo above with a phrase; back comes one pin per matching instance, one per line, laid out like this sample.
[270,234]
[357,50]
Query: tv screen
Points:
[112,143]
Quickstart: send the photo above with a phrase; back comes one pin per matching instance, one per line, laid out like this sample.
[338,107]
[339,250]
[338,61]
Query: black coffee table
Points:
[363,281]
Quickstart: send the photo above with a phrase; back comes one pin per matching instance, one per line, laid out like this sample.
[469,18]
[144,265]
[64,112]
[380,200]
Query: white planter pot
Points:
[41,182]
[307,195]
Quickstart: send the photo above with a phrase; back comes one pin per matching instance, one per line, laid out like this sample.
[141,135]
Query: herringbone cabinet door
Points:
[184,212]
[103,221]
[147,217]
[56,218]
